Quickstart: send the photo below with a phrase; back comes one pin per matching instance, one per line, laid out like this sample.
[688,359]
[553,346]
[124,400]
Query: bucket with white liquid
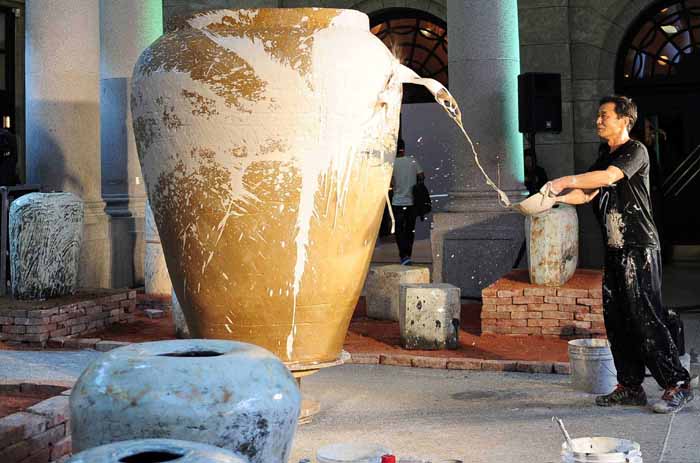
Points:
[351,453]
[592,366]
[601,450]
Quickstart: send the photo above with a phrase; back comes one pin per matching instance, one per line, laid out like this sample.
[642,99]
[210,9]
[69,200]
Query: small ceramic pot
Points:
[156,451]
[224,393]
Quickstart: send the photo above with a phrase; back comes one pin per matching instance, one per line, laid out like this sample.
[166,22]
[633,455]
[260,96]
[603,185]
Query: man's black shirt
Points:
[624,208]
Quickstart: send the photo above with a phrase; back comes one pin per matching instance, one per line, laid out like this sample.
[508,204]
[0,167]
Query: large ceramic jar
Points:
[552,245]
[223,393]
[266,139]
[156,451]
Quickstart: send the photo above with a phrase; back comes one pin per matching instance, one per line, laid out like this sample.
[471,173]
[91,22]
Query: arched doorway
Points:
[419,40]
[658,64]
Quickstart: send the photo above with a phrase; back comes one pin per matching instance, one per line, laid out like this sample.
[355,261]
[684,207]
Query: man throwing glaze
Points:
[635,320]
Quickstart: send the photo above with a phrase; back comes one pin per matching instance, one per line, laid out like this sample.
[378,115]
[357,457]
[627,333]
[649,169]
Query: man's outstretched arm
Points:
[588,181]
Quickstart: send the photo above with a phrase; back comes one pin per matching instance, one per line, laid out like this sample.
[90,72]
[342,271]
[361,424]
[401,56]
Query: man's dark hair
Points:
[400,144]
[624,107]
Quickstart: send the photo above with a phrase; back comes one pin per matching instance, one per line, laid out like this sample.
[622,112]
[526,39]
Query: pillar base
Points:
[128,246]
[475,241]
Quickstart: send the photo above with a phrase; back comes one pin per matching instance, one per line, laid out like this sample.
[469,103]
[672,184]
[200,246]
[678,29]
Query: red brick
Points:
[395,359]
[14,329]
[540,292]
[570,292]
[598,327]
[15,313]
[511,308]
[582,324]
[528,300]
[596,309]
[497,330]
[57,341]
[364,358]
[488,329]
[574,308]
[543,322]
[489,322]
[588,301]
[15,452]
[494,300]
[542,307]
[59,332]
[132,294]
[512,323]
[558,315]
[489,292]
[534,367]
[525,315]
[526,330]
[595,293]
[501,315]
[498,365]
[48,437]
[40,329]
[61,448]
[429,362]
[589,317]
[558,330]
[75,329]
[510,292]
[560,300]
[463,364]
[488,308]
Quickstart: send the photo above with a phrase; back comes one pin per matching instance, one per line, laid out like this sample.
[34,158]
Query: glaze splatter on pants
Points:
[635,318]
[405,217]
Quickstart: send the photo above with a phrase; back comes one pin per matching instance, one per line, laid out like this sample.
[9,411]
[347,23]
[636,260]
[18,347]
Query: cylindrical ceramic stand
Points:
[267,154]
[156,451]
[552,245]
[224,393]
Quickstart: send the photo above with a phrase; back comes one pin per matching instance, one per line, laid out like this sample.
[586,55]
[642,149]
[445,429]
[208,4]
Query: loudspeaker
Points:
[539,102]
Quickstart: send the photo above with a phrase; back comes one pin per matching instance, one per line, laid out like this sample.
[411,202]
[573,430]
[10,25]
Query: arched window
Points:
[419,40]
[663,46]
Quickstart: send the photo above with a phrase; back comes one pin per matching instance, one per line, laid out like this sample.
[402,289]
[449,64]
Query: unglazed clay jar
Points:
[267,139]
[224,393]
[552,245]
[156,451]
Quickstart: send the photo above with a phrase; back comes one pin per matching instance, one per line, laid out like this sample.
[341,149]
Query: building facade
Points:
[77,55]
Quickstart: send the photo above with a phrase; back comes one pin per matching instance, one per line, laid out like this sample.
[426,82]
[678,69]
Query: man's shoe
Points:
[622,395]
[406,261]
[674,398]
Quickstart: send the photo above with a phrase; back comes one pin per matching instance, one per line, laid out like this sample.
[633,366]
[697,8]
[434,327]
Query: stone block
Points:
[382,288]
[429,316]
[429,362]
[46,233]
[463,364]
[55,410]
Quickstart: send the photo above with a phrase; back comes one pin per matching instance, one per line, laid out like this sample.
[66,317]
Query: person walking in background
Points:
[407,173]
[635,319]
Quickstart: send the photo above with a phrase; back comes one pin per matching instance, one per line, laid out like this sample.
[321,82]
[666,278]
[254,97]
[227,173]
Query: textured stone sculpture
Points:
[382,288]
[552,245]
[223,393]
[266,139]
[46,233]
[156,450]
[429,316]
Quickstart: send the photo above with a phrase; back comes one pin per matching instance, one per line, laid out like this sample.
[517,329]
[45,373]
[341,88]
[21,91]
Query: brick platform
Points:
[513,306]
[41,433]
[35,322]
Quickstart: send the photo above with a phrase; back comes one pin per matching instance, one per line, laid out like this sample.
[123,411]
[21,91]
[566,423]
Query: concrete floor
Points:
[478,416]
[432,415]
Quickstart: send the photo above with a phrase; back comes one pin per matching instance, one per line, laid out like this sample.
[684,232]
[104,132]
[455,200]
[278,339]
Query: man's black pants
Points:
[635,319]
[405,217]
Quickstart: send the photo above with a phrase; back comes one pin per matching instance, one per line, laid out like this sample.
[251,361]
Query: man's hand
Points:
[556,186]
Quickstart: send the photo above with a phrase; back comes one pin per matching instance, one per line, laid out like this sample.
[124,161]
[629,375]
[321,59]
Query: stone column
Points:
[127,27]
[63,117]
[475,241]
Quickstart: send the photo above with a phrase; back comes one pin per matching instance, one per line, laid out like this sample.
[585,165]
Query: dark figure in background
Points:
[407,172]
[8,158]
[535,175]
[635,319]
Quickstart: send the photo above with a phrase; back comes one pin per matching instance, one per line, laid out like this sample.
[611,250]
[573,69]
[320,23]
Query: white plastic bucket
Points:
[592,366]
[351,453]
[601,450]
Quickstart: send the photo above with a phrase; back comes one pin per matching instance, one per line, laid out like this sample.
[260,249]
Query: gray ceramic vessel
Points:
[224,393]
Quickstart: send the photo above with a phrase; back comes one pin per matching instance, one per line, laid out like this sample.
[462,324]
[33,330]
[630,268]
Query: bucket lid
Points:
[349,452]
